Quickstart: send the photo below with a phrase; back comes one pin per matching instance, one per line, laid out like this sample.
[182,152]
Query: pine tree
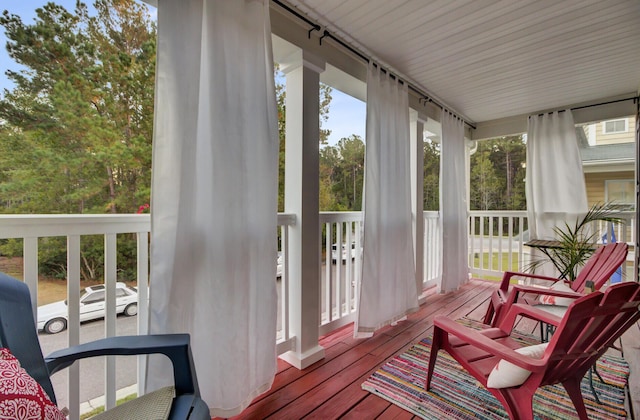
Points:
[82,109]
[431,175]
[76,129]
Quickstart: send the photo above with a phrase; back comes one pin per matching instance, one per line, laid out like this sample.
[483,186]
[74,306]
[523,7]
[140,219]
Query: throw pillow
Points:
[21,396]
[506,374]
[559,286]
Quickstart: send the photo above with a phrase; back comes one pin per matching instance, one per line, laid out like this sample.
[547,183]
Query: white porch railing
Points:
[432,249]
[497,238]
[495,245]
[284,339]
[32,227]
[340,269]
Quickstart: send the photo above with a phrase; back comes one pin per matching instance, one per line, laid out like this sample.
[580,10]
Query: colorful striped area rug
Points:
[455,394]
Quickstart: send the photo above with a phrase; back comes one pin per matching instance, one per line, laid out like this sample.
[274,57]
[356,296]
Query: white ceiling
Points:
[490,59]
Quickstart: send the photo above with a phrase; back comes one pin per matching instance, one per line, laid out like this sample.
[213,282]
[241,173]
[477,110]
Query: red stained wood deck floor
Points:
[330,388]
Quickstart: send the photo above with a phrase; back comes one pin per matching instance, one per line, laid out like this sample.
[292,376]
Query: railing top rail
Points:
[286,219]
[340,216]
[623,214]
[42,225]
[494,213]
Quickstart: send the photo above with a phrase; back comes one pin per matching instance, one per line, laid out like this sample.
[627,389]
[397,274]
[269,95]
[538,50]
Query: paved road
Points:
[92,370]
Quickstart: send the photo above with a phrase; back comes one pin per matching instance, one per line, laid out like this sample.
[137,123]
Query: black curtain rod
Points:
[327,34]
[633,98]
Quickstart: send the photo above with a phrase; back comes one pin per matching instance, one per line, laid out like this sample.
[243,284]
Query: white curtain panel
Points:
[453,204]
[388,289]
[214,196]
[555,186]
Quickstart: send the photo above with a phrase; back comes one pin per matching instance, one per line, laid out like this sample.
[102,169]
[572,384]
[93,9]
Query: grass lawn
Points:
[49,290]
[497,264]
[99,410]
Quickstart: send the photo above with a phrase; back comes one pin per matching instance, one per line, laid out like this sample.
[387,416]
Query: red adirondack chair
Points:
[592,323]
[599,268]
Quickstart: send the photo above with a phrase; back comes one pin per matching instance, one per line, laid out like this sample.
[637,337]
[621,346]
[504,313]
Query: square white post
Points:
[302,183]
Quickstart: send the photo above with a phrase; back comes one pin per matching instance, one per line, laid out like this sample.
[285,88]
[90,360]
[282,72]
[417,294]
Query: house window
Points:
[615,126]
[620,192]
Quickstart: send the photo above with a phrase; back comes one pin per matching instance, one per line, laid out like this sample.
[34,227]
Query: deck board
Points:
[368,408]
[331,388]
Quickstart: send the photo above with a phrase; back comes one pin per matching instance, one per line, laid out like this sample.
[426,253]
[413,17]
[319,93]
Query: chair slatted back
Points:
[601,266]
[591,324]
[18,330]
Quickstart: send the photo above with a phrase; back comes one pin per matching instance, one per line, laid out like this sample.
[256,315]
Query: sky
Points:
[346,114]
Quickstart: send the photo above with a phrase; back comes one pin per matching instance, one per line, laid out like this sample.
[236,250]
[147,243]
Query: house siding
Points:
[626,137]
[595,183]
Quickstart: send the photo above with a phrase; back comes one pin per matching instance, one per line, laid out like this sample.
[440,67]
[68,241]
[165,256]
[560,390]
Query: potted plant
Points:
[576,243]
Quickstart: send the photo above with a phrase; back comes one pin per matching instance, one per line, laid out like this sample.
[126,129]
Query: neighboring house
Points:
[608,159]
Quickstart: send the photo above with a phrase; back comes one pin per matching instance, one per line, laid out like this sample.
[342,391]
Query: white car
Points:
[279,265]
[53,318]
[345,252]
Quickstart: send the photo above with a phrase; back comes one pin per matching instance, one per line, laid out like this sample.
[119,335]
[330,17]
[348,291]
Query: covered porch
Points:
[322,365]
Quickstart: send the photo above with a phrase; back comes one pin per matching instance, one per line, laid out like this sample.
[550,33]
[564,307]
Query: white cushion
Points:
[559,286]
[506,374]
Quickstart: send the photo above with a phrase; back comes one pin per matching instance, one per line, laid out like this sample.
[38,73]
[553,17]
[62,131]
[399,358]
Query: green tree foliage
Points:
[497,174]
[82,108]
[342,175]
[431,175]
[281,105]
[330,161]
[76,129]
[509,156]
[487,186]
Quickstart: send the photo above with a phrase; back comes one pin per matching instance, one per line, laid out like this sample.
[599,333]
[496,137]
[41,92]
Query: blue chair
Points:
[18,333]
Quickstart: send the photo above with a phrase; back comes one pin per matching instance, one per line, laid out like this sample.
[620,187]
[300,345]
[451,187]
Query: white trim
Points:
[305,359]
[591,134]
[630,199]
[617,165]
[625,130]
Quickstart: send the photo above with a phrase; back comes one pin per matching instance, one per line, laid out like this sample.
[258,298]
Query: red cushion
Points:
[21,397]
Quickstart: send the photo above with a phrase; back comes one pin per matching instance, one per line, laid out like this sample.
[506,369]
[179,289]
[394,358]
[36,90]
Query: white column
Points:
[302,176]
[417,195]
[636,247]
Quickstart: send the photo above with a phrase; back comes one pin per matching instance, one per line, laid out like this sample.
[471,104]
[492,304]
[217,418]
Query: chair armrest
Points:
[542,291]
[174,346]
[527,311]
[506,278]
[517,289]
[493,347]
